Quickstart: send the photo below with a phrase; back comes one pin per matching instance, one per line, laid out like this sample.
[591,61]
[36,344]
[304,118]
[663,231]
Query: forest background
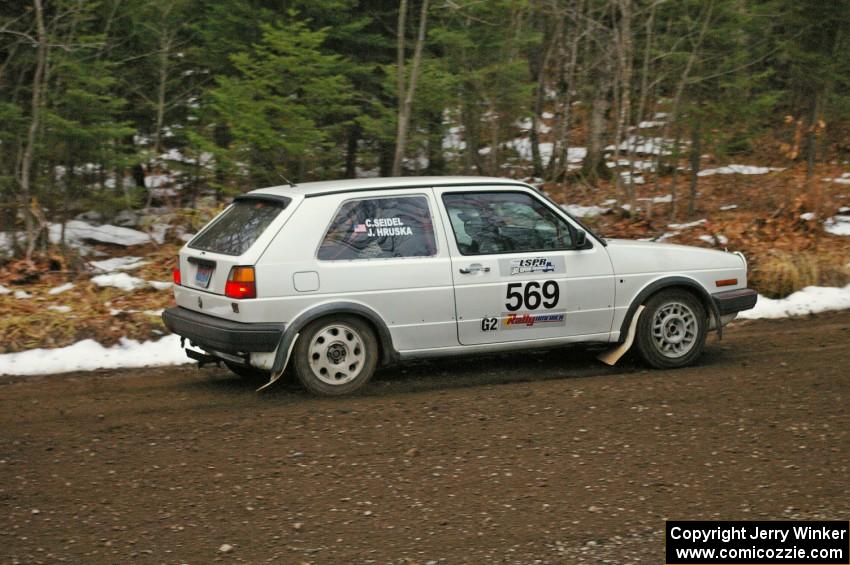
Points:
[126,124]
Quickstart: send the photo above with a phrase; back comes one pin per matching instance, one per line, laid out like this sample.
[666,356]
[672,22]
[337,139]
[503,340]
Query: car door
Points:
[517,274]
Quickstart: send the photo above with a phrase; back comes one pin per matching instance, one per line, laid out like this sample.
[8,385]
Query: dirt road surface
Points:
[545,457]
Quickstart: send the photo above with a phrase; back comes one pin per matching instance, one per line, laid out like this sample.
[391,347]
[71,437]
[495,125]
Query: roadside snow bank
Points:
[810,300]
[88,355]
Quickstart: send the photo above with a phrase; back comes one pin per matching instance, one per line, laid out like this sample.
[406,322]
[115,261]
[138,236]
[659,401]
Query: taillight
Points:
[241,283]
[175,274]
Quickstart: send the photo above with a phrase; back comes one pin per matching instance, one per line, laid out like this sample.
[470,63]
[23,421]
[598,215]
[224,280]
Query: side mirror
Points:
[581,239]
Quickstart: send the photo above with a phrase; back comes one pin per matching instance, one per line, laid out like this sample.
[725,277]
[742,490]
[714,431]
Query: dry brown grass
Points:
[779,273]
[103,314]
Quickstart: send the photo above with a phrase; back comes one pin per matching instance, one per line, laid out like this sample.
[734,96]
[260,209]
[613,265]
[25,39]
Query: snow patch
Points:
[842,180]
[584,211]
[715,239]
[60,309]
[158,232]
[4,290]
[119,280]
[635,179]
[76,231]
[810,300]
[645,145]
[61,289]
[687,225]
[739,170]
[88,355]
[729,207]
[22,294]
[453,140]
[118,264]
[665,236]
[636,164]
[522,146]
[837,225]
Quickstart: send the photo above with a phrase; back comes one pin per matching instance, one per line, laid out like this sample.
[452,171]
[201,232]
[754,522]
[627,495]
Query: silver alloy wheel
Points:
[337,354]
[674,329]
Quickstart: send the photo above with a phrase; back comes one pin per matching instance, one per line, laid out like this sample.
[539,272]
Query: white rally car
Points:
[337,277]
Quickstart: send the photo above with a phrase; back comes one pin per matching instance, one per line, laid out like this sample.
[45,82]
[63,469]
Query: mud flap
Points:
[611,356]
[279,373]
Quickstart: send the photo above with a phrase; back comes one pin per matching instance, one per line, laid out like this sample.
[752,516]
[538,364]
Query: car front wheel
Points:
[672,329]
[335,356]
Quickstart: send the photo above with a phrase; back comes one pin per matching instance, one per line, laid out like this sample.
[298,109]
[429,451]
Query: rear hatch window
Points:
[238,227]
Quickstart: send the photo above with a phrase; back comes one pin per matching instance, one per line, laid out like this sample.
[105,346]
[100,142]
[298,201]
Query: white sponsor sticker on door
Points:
[531,265]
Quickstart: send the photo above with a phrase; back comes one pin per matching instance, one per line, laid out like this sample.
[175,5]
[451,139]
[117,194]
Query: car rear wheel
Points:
[335,356]
[672,329]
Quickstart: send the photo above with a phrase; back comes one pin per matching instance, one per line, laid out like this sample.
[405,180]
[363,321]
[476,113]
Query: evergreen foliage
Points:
[229,95]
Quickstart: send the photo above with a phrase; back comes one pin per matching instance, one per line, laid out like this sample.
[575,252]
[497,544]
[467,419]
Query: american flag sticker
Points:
[360,228]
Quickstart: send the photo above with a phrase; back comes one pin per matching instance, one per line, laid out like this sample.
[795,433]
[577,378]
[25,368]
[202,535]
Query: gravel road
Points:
[544,457]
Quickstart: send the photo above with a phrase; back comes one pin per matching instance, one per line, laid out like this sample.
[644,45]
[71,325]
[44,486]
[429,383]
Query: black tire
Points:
[247,372]
[335,355]
[666,318]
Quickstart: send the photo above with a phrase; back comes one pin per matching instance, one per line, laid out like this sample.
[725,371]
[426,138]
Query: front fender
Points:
[671,282]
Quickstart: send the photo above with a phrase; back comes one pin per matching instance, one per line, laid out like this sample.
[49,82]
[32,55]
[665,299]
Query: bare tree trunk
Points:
[674,199]
[559,167]
[537,108]
[538,72]
[471,132]
[695,151]
[680,87]
[624,61]
[29,147]
[811,138]
[401,35]
[351,151]
[407,103]
[436,157]
[164,50]
[644,78]
[593,166]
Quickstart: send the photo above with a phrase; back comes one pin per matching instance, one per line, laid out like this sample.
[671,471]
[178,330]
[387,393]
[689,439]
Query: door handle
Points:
[474,268]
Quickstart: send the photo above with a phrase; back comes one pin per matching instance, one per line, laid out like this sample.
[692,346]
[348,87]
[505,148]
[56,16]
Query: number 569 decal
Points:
[532,296]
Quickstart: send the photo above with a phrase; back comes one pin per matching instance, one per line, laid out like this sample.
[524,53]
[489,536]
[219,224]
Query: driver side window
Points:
[487,223]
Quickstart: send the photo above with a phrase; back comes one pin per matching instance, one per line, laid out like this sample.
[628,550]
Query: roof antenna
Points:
[286,180]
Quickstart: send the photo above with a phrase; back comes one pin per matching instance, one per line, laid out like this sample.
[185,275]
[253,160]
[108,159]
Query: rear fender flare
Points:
[293,329]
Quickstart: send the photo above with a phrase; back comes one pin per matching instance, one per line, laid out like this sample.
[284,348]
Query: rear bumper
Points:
[217,334]
[732,301]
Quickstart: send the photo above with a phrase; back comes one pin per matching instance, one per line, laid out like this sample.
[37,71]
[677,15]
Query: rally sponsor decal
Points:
[531,265]
[528,320]
[383,227]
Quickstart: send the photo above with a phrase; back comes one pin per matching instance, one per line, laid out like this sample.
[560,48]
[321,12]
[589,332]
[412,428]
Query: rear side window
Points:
[238,227]
[380,228]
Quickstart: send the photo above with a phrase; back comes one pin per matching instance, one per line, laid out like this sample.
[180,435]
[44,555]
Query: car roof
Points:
[310,189]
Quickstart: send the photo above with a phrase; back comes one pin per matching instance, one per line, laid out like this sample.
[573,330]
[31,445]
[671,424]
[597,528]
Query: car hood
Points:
[630,256]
